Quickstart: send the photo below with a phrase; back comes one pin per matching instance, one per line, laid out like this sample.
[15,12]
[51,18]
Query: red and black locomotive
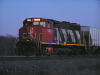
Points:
[47,36]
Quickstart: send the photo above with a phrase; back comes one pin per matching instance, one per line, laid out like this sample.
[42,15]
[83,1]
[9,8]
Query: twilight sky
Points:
[13,12]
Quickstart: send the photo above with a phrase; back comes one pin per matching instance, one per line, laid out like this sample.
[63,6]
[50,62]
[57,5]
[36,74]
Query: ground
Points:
[50,65]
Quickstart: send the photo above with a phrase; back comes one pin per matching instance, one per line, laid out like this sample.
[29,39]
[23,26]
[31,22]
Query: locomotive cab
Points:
[34,32]
[36,29]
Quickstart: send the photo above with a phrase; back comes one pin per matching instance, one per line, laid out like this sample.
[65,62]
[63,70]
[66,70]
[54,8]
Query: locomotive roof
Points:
[59,24]
[64,24]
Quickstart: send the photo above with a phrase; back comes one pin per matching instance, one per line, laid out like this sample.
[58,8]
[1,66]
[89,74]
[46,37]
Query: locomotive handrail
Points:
[62,44]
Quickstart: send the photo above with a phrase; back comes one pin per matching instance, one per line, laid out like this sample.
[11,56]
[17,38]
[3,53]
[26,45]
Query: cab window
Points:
[49,25]
[27,23]
[35,23]
[43,24]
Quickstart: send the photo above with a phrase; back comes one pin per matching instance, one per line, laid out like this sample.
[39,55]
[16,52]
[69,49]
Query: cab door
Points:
[47,33]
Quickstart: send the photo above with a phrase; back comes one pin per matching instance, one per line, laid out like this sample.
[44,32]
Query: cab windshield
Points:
[43,24]
[27,23]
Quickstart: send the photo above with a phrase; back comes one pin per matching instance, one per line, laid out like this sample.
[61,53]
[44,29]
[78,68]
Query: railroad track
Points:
[24,58]
[16,58]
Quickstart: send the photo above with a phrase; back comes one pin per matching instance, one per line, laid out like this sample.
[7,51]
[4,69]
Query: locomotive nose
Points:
[25,35]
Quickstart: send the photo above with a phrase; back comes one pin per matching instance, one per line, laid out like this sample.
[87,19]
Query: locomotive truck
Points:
[46,36]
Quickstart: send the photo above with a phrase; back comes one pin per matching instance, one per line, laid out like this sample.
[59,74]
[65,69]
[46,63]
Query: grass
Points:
[70,66]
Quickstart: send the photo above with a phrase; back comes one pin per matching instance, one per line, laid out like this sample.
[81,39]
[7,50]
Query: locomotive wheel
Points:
[63,51]
[38,49]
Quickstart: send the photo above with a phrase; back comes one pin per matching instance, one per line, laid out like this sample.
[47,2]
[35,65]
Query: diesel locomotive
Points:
[40,36]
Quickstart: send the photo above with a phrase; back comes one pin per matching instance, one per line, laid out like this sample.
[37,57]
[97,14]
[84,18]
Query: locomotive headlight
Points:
[37,19]
[28,19]
[27,40]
